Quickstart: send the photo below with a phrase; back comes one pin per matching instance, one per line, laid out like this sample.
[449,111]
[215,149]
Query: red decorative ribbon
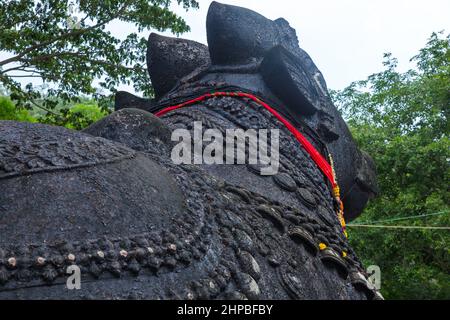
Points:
[323,165]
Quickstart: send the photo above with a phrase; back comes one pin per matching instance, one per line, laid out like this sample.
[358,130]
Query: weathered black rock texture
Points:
[125,99]
[170,59]
[111,201]
[135,128]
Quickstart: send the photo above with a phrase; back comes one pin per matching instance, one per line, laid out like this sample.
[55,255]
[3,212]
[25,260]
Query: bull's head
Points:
[250,51]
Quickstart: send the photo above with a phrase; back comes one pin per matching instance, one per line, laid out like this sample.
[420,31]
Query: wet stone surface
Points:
[285,181]
[111,201]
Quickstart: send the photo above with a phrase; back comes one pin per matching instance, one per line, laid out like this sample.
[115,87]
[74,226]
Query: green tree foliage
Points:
[76,117]
[8,111]
[81,116]
[66,44]
[401,120]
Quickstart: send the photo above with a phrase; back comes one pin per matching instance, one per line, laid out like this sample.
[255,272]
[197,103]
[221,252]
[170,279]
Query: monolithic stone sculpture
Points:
[111,201]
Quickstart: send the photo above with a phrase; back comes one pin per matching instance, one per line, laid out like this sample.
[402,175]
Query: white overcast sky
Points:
[345,38]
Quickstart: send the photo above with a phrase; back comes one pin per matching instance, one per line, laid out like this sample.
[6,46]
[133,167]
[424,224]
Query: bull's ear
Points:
[170,59]
[287,76]
[124,100]
[364,188]
[238,35]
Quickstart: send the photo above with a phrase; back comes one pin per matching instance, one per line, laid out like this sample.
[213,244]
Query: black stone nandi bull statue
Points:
[111,202]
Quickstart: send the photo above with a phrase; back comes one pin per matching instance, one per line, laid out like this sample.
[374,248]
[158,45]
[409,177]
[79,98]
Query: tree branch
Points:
[52,55]
[45,109]
[23,76]
[109,64]
[14,68]
[19,89]
[63,36]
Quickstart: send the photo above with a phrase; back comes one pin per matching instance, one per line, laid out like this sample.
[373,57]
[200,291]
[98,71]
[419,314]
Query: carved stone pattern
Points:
[36,156]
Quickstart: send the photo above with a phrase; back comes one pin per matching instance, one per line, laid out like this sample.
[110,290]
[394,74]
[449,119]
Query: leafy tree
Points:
[401,120]
[67,45]
[81,116]
[77,116]
[8,111]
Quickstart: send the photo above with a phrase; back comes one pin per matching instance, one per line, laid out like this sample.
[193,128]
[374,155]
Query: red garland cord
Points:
[323,165]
